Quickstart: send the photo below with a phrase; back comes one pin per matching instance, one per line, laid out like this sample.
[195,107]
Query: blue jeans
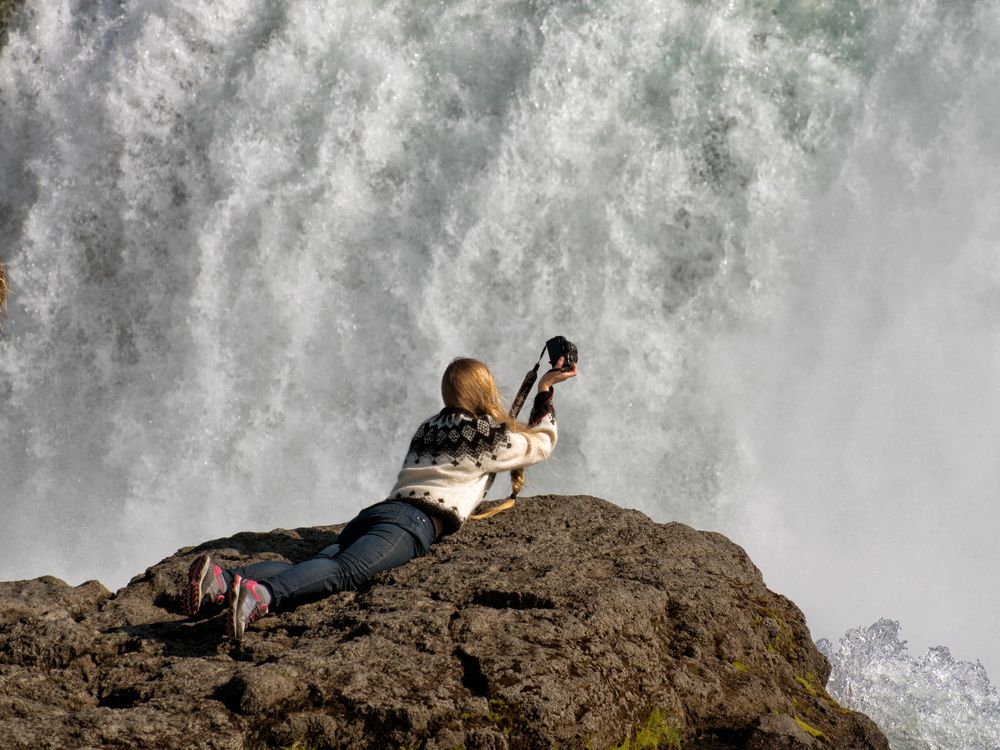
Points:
[380,537]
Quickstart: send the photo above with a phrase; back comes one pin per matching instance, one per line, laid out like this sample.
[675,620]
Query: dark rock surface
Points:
[7,10]
[565,622]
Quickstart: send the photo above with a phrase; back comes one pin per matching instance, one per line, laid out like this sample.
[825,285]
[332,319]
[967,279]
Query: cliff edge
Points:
[566,622]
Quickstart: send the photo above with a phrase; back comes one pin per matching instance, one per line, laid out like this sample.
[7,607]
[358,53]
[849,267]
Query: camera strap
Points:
[515,409]
[525,389]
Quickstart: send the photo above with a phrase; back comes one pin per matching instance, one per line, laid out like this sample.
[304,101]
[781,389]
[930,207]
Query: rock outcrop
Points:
[566,622]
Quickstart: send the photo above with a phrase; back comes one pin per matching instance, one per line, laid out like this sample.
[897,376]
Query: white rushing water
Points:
[933,702]
[245,237]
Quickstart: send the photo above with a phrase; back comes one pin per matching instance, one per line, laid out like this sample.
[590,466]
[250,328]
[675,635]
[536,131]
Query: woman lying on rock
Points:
[444,476]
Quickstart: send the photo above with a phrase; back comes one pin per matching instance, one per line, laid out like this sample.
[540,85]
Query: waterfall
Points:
[244,238]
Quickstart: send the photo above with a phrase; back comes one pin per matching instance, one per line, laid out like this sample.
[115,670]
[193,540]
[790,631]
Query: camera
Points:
[560,346]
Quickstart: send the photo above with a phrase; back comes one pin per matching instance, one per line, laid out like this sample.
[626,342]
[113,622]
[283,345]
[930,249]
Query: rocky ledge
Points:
[565,622]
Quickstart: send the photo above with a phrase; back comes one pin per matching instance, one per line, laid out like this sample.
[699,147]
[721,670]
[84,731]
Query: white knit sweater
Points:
[453,453]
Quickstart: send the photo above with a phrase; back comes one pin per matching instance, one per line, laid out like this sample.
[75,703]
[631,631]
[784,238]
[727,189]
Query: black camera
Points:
[560,346]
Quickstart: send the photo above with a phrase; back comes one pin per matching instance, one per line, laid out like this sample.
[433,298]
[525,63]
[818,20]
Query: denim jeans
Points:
[380,537]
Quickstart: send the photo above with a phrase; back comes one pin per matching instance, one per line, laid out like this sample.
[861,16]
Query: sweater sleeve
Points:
[535,444]
[541,407]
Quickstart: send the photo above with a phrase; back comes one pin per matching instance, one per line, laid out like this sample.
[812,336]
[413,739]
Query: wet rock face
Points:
[565,622]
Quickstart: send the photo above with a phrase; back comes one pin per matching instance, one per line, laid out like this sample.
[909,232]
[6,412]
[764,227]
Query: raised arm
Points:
[527,448]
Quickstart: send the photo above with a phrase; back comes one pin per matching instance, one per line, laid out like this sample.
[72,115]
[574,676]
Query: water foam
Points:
[933,702]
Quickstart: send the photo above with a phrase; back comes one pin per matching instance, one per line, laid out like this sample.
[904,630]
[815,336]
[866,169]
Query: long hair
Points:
[468,384]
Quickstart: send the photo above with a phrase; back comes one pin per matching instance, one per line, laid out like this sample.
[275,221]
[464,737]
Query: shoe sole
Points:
[191,601]
[232,621]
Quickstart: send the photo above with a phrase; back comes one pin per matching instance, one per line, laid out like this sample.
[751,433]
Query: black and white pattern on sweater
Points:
[454,435]
[452,454]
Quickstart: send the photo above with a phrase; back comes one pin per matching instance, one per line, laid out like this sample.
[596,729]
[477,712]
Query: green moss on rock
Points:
[655,734]
[809,729]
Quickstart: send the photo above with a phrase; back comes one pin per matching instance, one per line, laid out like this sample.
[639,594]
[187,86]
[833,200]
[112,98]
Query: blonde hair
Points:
[468,384]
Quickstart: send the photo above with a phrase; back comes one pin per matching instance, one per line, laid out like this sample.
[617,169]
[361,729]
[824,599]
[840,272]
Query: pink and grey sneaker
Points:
[248,602]
[205,583]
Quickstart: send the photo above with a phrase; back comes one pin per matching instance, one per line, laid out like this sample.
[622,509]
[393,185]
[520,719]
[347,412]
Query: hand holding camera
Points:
[563,357]
[557,374]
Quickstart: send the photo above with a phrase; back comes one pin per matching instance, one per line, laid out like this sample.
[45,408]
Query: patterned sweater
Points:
[453,453]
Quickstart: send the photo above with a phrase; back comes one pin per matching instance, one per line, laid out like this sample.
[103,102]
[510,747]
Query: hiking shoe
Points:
[205,583]
[248,602]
